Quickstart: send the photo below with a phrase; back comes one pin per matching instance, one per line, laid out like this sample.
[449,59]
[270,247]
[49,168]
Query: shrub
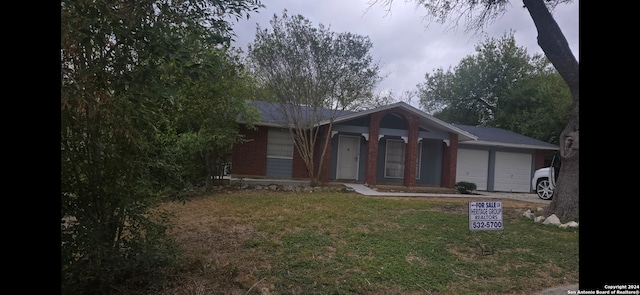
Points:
[141,260]
[464,187]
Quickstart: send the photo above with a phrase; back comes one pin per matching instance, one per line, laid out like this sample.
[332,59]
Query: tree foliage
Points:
[309,70]
[204,121]
[500,86]
[539,107]
[125,68]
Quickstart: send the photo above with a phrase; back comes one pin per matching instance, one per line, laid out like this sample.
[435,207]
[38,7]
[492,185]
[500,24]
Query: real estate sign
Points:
[485,215]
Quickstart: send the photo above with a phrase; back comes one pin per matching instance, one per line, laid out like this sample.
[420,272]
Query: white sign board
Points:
[485,215]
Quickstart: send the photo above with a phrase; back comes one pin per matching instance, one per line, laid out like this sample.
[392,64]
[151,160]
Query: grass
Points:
[259,242]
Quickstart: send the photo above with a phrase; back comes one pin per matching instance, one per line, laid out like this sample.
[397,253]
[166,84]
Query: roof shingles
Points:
[272,112]
[272,115]
[497,135]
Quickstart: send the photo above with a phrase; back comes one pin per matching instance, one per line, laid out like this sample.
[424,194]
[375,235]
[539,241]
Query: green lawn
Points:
[343,243]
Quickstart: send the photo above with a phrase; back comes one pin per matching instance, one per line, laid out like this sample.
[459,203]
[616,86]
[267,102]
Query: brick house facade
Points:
[393,144]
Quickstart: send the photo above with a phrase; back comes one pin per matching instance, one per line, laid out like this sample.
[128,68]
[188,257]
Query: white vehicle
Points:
[544,179]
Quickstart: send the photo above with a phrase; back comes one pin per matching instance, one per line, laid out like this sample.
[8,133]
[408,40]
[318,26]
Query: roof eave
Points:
[511,145]
[462,135]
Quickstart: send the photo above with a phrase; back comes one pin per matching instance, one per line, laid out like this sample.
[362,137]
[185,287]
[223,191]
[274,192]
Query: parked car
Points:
[544,179]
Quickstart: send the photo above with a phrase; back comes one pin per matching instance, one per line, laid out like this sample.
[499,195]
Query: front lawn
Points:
[264,242]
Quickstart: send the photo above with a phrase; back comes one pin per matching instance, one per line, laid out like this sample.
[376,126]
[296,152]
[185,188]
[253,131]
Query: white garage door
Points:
[513,172]
[473,166]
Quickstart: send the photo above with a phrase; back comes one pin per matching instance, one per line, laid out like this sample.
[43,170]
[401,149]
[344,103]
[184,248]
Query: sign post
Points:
[485,215]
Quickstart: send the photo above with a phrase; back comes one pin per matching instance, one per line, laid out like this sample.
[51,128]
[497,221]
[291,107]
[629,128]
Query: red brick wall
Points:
[449,161]
[299,168]
[411,152]
[539,162]
[326,161]
[250,158]
[372,148]
[543,158]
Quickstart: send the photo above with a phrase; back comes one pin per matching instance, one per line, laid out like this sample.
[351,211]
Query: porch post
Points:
[449,162]
[372,149]
[411,152]
[326,160]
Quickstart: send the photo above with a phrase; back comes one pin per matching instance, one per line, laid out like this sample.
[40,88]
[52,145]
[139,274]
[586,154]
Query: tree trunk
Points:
[565,202]
[304,140]
[326,137]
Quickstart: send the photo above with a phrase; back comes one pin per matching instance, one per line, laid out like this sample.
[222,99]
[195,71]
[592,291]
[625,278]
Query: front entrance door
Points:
[348,157]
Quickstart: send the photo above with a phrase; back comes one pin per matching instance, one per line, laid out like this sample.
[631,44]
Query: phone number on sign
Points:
[488,224]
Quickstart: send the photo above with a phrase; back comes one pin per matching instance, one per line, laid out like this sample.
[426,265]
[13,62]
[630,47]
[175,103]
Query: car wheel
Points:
[543,189]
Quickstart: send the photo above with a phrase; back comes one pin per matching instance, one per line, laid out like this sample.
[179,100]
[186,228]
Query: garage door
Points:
[473,166]
[513,172]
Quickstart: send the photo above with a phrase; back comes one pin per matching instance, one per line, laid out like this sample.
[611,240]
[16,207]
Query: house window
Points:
[394,163]
[279,144]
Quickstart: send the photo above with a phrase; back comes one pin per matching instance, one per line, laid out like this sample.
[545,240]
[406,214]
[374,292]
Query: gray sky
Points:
[403,45]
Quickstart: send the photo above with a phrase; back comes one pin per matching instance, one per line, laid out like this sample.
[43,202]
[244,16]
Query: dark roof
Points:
[272,112]
[498,136]
[488,136]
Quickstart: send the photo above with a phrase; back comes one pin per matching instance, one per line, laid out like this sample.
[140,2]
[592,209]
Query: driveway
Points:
[365,190]
[526,197]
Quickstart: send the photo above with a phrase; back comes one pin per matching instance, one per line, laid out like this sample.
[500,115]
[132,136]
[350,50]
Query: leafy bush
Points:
[144,119]
[139,262]
[464,187]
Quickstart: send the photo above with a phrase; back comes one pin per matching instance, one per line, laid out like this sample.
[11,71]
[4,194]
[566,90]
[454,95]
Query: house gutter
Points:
[510,145]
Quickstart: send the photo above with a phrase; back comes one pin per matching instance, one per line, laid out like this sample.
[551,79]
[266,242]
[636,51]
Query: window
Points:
[279,144]
[394,164]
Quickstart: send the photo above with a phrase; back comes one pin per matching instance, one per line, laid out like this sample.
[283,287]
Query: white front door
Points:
[348,157]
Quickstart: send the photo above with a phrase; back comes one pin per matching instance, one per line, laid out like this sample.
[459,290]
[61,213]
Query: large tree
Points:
[313,74]
[538,106]
[478,14]
[500,85]
[123,67]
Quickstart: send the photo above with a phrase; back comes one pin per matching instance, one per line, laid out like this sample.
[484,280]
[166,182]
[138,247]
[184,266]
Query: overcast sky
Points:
[403,45]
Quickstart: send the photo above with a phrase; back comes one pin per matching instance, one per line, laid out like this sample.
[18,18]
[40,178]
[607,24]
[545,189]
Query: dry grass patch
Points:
[260,242]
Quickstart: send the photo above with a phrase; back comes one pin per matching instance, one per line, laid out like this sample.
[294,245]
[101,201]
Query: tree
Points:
[204,125]
[385,97]
[313,74]
[538,107]
[123,65]
[500,86]
[565,203]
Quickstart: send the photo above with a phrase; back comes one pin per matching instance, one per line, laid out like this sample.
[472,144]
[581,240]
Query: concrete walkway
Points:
[365,190]
[527,197]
